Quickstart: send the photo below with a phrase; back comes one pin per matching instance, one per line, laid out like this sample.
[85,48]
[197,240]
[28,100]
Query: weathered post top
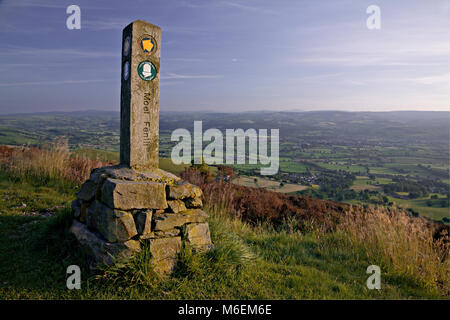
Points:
[139,99]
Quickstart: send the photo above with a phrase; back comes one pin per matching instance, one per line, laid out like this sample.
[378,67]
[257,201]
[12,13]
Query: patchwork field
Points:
[258,182]
[435,211]
[343,156]
[363,183]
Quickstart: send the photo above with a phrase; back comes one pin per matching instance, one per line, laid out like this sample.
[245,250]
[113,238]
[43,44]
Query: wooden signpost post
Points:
[139,99]
[121,206]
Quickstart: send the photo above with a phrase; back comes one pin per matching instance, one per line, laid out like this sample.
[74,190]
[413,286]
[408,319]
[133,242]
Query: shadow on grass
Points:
[34,256]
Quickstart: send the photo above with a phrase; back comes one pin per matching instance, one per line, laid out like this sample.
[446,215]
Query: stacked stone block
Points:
[119,209]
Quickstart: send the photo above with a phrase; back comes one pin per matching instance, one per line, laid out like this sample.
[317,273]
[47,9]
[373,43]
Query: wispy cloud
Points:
[110,24]
[14,66]
[47,5]
[38,83]
[120,23]
[30,3]
[434,79]
[348,55]
[188,76]
[15,50]
[355,60]
[241,5]
[185,59]
[184,30]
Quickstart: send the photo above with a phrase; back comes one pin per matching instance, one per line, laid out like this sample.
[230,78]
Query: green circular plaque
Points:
[147,70]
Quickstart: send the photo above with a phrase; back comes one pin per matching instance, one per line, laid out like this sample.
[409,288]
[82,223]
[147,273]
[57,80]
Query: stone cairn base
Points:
[118,209]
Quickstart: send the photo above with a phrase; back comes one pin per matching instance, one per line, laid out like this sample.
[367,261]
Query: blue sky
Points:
[231,55]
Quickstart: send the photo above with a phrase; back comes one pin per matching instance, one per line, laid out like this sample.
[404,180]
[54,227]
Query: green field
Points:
[343,153]
[258,182]
[364,183]
[434,212]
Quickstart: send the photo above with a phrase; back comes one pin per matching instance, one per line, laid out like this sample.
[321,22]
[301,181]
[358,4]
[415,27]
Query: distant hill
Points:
[377,158]
[95,127]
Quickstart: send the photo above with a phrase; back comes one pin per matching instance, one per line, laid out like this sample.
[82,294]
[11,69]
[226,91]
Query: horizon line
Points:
[213,111]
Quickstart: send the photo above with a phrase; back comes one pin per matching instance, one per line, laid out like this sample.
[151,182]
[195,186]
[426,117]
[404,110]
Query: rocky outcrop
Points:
[167,221]
[128,195]
[118,210]
[197,235]
[98,248]
[164,253]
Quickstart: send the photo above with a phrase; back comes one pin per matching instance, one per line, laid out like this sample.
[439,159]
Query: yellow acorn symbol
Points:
[147,45]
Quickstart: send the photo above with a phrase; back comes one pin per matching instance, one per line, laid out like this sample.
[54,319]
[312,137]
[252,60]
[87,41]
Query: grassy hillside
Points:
[289,258]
